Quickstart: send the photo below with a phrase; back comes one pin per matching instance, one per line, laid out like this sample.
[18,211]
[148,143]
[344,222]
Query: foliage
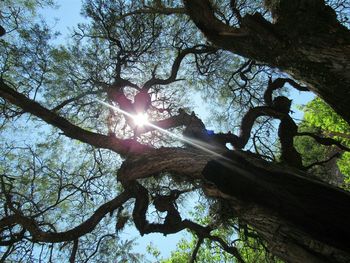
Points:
[76,168]
[320,118]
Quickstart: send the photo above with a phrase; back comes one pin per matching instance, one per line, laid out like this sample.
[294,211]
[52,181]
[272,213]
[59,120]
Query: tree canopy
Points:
[80,161]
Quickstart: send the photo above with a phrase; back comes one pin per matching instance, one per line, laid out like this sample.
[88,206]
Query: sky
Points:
[63,19]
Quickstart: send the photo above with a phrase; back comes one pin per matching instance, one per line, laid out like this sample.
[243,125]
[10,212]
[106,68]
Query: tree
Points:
[329,163]
[145,58]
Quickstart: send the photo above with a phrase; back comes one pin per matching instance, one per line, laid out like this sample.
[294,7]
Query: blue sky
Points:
[68,16]
[64,18]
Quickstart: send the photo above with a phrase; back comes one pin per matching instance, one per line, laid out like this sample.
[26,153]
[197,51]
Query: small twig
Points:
[336,155]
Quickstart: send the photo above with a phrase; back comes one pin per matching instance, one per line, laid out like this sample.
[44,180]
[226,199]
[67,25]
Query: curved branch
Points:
[176,65]
[256,38]
[155,10]
[336,155]
[324,141]
[80,96]
[87,226]
[120,146]
[172,223]
[182,119]
[277,84]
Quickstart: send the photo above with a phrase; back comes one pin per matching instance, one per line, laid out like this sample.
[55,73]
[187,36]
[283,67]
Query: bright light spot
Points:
[140,119]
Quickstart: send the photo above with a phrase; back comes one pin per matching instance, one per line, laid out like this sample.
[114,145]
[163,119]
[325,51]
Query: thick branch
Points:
[313,207]
[87,226]
[255,34]
[277,84]
[312,46]
[95,139]
[286,132]
[179,161]
[172,223]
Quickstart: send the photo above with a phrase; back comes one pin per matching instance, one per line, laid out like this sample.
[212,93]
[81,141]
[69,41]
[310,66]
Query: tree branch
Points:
[196,249]
[172,223]
[154,10]
[176,65]
[180,161]
[336,155]
[120,146]
[255,38]
[87,226]
[277,84]
[74,251]
[324,141]
[80,96]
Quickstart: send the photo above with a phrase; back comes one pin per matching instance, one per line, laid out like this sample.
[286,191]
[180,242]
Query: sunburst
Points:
[140,119]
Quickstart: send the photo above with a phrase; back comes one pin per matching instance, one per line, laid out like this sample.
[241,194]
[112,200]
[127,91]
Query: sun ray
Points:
[146,122]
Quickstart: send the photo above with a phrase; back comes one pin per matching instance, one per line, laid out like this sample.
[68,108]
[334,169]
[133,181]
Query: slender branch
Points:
[80,96]
[74,251]
[324,141]
[196,249]
[336,155]
[154,10]
[176,65]
[98,246]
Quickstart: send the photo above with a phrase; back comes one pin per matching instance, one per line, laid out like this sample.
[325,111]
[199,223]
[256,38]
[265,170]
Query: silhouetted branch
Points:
[196,249]
[95,139]
[324,141]
[200,49]
[172,223]
[336,155]
[74,251]
[80,96]
[87,226]
[278,84]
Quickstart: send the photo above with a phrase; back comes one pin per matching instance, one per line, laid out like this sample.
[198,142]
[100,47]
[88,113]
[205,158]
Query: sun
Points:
[140,119]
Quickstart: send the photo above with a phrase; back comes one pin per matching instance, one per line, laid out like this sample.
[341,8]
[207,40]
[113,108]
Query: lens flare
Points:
[198,145]
[140,119]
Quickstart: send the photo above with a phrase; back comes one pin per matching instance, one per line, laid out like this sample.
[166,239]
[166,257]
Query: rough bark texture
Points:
[301,219]
[305,40]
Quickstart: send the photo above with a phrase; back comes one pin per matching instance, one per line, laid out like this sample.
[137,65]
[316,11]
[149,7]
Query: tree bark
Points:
[301,219]
[305,40]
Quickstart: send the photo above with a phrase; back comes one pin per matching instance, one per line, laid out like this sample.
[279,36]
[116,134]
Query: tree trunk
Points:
[305,40]
[301,219]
